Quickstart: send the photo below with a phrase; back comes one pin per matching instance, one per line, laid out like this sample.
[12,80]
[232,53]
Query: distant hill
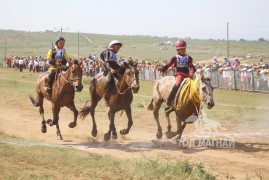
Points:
[22,43]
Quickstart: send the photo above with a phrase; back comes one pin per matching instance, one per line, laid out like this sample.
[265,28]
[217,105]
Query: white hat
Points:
[114,42]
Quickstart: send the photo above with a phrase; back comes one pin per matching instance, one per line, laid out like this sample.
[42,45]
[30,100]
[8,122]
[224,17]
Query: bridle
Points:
[128,84]
[204,98]
[69,80]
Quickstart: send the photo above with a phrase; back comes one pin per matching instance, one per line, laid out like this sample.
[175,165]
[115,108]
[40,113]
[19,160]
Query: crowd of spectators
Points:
[224,73]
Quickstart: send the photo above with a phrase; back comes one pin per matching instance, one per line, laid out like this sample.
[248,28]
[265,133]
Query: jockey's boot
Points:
[171,97]
[48,84]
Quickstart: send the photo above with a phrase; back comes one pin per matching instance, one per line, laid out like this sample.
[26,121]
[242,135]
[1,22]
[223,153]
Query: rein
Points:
[122,93]
[69,80]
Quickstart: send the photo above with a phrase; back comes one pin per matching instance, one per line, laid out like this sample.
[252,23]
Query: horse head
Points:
[75,77]
[206,92]
[132,75]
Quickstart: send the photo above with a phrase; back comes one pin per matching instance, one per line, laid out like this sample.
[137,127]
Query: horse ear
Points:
[126,64]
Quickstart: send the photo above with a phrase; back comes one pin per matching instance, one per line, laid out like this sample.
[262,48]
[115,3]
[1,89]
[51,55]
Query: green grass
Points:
[23,43]
[44,162]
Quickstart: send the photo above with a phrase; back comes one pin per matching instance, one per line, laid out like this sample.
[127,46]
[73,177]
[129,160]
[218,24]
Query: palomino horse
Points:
[63,94]
[200,90]
[120,98]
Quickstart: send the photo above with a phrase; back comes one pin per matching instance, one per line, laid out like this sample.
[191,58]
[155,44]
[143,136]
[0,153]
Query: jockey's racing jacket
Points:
[183,64]
[110,57]
[55,54]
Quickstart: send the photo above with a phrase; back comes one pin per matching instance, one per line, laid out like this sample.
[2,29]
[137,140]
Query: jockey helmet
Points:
[114,42]
[180,44]
[59,39]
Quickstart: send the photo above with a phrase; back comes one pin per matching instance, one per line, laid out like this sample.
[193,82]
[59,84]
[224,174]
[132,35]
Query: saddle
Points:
[178,91]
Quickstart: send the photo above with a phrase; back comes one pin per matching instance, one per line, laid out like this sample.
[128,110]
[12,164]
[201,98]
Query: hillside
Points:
[22,43]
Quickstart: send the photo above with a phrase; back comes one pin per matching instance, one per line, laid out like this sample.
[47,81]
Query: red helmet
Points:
[180,44]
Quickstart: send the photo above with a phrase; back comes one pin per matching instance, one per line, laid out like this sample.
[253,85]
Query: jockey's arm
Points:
[172,61]
[51,60]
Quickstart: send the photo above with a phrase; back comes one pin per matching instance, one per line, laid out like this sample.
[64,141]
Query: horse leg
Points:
[114,132]
[180,127]
[56,111]
[128,111]
[41,111]
[56,121]
[59,135]
[94,103]
[169,133]
[111,125]
[72,107]
[159,134]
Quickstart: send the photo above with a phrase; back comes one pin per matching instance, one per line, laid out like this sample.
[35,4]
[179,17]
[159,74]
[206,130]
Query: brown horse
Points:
[120,98]
[200,90]
[63,94]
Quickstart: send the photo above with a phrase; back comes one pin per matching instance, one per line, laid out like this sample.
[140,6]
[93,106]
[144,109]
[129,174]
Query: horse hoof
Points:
[49,121]
[159,135]
[94,133]
[72,125]
[114,136]
[43,129]
[170,134]
[124,132]
[106,137]
[59,137]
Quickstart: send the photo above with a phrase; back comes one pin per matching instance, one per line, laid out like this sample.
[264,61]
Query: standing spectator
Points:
[208,71]
[17,63]
[36,64]
[31,64]
[226,61]
[94,58]
[236,63]
[21,64]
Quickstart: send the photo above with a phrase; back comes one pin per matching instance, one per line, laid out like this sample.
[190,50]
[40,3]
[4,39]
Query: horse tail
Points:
[150,106]
[34,101]
[83,113]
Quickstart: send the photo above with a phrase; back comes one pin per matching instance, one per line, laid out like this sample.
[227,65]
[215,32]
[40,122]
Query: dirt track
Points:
[249,156]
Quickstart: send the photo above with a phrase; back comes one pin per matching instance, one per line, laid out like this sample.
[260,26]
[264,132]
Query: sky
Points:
[197,19]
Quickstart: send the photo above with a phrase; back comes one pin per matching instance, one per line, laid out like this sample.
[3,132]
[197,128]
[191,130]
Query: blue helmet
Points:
[59,39]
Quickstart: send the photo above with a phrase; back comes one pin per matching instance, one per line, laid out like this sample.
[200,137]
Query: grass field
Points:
[42,162]
[23,43]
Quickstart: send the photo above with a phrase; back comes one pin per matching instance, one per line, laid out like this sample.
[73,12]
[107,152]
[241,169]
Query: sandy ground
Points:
[248,156]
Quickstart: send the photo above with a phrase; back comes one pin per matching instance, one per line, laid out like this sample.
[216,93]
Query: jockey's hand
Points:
[160,68]
[191,75]
[112,71]
[58,62]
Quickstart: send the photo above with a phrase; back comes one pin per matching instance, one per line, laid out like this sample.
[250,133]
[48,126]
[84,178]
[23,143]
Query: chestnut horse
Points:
[200,90]
[62,94]
[120,98]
